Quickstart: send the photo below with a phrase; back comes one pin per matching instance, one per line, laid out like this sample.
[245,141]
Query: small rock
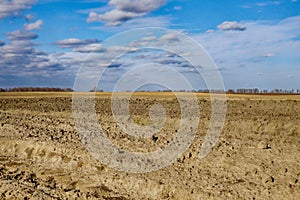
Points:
[154,138]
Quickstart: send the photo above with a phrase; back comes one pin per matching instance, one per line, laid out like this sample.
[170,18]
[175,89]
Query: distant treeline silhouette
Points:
[257,91]
[245,91]
[36,89]
[229,91]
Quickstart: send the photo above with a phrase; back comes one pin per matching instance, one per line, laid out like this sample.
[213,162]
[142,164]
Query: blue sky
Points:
[255,44]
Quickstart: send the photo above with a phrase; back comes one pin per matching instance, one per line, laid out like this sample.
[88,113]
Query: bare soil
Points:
[256,157]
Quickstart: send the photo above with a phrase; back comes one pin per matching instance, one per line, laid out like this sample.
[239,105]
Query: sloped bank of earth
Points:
[42,156]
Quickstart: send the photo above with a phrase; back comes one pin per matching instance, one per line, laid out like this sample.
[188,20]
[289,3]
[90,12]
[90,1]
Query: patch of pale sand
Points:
[67,169]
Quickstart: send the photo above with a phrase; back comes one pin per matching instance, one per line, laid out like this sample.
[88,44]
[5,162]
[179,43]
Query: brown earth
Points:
[256,157]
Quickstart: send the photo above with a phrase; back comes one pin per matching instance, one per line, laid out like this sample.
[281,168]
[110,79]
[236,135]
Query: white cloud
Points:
[244,53]
[160,21]
[20,57]
[124,10]
[21,35]
[75,42]
[231,26]
[17,47]
[14,7]
[115,50]
[113,17]
[33,26]
[170,37]
[89,48]
[137,6]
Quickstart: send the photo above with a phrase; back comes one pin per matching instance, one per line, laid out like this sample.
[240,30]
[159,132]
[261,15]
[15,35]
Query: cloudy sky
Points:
[255,44]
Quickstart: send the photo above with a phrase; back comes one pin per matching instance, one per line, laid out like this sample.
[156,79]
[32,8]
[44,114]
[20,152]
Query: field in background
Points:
[257,155]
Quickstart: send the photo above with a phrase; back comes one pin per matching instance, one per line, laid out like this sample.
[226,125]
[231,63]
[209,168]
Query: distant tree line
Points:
[36,89]
[229,91]
[257,91]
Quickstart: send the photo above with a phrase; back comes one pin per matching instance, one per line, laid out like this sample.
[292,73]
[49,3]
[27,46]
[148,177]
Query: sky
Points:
[254,44]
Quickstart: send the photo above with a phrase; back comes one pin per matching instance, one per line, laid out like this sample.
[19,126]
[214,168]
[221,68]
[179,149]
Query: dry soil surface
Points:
[256,157]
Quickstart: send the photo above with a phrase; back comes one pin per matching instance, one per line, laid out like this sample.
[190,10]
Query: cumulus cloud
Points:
[169,38]
[2,43]
[17,48]
[89,48]
[75,42]
[238,52]
[33,26]
[14,7]
[124,10]
[19,57]
[113,17]
[21,35]
[159,21]
[120,49]
[231,26]
[137,6]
